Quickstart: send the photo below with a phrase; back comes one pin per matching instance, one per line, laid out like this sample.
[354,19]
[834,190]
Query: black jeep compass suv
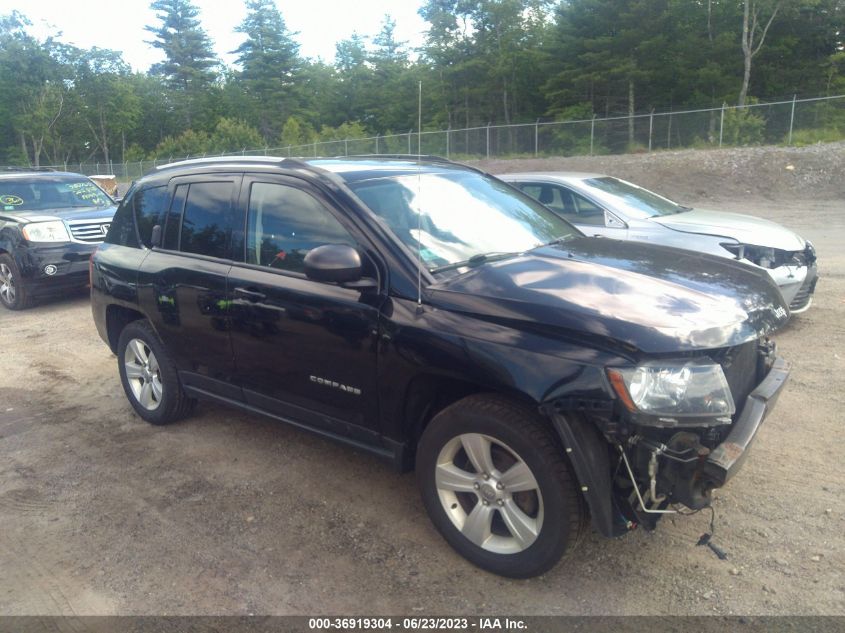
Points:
[433,315]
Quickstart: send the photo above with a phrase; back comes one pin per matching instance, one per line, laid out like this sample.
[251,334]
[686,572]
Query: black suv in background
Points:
[50,224]
[437,317]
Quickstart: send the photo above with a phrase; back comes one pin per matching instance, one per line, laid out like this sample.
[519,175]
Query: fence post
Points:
[377,144]
[346,146]
[409,142]
[722,123]
[315,149]
[592,133]
[650,127]
[537,137]
[448,130]
[669,132]
[791,119]
[488,140]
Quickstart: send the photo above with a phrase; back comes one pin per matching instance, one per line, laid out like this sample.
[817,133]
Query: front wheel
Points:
[497,487]
[13,293]
[149,376]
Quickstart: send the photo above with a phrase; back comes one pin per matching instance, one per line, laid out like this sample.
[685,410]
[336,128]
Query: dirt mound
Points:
[772,173]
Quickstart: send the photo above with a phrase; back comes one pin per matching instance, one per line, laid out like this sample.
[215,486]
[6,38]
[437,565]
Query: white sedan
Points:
[610,207]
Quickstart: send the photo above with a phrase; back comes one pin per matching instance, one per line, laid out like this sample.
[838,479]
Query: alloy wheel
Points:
[143,374]
[7,285]
[489,493]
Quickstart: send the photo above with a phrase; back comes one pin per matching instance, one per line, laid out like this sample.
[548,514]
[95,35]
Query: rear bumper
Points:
[727,458]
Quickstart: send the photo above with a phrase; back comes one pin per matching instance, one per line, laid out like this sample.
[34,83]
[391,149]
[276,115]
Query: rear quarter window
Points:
[122,229]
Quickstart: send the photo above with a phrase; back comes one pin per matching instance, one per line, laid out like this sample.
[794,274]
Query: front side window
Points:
[453,217]
[284,223]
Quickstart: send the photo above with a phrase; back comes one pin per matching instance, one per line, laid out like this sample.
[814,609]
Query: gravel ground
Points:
[227,513]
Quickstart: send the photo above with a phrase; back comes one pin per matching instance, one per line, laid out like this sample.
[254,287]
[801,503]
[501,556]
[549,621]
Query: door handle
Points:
[250,295]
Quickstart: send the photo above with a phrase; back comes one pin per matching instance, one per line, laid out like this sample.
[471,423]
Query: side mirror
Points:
[338,263]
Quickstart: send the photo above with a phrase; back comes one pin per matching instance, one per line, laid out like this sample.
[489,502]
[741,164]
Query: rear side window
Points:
[150,205]
[122,230]
[285,223]
[208,220]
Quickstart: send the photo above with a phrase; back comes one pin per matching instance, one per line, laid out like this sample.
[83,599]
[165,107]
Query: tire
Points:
[13,292]
[149,376]
[524,516]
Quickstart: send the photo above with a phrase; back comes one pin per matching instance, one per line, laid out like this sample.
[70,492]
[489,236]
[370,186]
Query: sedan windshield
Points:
[460,218]
[642,202]
[50,193]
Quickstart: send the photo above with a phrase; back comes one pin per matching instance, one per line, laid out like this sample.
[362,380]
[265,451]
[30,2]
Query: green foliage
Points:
[483,61]
[819,135]
[743,126]
[296,132]
[188,143]
[231,135]
[269,58]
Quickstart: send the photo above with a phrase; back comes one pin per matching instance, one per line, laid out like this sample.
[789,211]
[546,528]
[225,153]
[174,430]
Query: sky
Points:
[119,25]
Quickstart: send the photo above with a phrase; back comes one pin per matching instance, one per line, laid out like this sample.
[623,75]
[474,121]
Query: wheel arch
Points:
[117,318]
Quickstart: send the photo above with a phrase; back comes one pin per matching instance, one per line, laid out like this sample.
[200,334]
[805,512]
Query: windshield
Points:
[51,193]
[456,217]
[642,202]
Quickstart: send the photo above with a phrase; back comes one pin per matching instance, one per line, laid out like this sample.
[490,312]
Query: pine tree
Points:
[270,62]
[190,63]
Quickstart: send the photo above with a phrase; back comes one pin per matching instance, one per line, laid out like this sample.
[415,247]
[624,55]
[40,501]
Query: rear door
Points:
[182,282]
[305,350]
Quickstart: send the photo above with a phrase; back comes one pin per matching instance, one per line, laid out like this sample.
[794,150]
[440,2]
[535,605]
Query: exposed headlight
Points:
[54,231]
[675,389]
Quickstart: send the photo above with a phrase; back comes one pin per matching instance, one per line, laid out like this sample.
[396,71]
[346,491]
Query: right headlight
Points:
[53,231]
[675,389]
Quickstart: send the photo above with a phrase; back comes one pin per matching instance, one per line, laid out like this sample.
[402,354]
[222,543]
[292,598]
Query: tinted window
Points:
[285,223]
[208,220]
[174,216]
[150,206]
[122,229]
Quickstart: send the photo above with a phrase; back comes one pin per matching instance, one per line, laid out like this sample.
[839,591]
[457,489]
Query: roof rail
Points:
[210,160]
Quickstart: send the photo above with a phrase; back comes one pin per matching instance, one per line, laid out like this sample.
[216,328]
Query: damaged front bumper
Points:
[727,458]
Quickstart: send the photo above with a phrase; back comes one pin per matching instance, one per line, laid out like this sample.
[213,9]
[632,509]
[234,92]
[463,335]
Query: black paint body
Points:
[369,365]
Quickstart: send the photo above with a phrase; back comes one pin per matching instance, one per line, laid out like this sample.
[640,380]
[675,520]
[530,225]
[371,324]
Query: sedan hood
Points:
[652,298]
[745,229]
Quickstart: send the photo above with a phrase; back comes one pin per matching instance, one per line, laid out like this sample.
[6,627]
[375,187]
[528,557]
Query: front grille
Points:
[91,232]
[802,298]
[740,366]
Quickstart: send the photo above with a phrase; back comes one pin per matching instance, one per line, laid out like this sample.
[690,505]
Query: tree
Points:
[189,66]
[109,105]
[270,62]
[753,38]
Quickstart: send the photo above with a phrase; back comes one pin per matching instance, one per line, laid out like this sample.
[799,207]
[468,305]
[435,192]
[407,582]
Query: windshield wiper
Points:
[475,260]
[554,242]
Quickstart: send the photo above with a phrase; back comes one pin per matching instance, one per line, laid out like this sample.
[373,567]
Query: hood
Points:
[745,229]
[67,214]
[655,299]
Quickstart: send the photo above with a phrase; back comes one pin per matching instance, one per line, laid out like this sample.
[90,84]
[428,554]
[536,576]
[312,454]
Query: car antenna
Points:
[419,208]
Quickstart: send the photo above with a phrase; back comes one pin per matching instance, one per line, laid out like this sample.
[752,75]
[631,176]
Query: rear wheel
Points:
[497,487]
[13,293]
[149,376]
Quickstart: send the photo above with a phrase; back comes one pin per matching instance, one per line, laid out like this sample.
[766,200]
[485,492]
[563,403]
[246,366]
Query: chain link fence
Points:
[798,121]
